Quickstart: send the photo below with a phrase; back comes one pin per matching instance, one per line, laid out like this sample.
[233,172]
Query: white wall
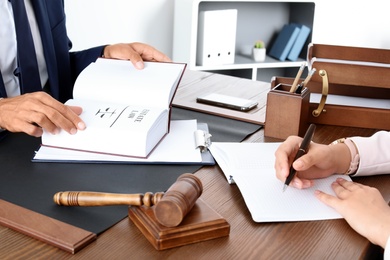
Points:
[91,22]
[362,23]
[96,22]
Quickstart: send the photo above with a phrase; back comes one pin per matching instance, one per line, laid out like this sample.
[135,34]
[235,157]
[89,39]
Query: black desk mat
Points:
[32,185]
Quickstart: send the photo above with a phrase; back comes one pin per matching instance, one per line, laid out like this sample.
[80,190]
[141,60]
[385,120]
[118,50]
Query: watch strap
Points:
[355,158]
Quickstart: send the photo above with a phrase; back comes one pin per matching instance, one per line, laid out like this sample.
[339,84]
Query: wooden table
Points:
[197,83]
[331,239]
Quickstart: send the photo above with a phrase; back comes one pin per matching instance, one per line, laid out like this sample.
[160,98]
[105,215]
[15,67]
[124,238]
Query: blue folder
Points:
[299,42]
[284,41]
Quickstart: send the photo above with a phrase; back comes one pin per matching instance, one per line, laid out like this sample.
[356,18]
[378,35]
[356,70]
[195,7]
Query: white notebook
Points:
[251,167]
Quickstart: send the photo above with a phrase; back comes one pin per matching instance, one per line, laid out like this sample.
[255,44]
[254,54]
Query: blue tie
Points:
[27,71]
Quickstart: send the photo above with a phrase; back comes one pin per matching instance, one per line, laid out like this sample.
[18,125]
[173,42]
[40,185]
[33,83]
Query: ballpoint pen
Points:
[302,150]
[299,88]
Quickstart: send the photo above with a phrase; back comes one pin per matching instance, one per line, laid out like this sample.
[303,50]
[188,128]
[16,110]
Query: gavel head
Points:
[178,200]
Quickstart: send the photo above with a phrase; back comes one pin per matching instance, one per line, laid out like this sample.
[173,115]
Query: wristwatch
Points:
[355,158]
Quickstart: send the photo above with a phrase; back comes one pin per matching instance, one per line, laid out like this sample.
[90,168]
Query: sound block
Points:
[201,223]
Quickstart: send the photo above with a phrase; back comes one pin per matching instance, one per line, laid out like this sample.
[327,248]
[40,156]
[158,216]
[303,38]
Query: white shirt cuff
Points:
[386,254]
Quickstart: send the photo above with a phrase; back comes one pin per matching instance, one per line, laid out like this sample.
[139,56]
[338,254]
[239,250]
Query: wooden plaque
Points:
[44,228]
[202,223]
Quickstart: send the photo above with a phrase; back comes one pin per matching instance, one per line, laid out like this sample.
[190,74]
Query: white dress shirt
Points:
[8,47]
[374,154]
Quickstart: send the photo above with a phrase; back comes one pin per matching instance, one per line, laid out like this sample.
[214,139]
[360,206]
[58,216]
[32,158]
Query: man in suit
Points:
[58,69]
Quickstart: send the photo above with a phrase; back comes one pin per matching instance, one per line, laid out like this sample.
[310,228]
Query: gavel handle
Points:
[85,198]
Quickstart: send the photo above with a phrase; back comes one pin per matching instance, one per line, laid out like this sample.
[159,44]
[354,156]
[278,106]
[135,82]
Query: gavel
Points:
[170,207]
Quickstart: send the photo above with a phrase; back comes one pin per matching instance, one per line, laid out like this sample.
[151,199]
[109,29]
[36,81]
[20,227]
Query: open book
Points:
[127,111]
[179,146]
[251,167]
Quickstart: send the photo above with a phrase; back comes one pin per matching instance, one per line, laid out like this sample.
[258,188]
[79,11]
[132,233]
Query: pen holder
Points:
[287,113]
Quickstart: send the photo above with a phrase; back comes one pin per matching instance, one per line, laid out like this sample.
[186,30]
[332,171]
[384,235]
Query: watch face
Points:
[338,141]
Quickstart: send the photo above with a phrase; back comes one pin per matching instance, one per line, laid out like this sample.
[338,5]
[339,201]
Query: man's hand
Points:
[135,52]
[31,113]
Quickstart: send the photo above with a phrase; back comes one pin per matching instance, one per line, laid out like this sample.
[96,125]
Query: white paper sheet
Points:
[251,165]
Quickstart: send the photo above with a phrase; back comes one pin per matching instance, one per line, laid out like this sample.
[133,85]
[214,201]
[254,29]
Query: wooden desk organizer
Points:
[287,113]
[347,71]
[200,224]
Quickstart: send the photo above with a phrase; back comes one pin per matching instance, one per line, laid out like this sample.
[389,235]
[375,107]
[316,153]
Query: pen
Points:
[297,77]
[307,79]
[302,150]
[299,89]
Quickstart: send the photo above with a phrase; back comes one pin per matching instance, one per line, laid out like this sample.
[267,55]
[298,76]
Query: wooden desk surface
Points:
[332,239]
[197,83]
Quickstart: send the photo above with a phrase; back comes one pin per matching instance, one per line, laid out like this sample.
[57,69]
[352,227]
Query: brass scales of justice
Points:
[168,219]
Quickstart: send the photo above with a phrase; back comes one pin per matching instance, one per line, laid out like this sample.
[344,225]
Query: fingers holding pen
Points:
[318,162]
[285,155]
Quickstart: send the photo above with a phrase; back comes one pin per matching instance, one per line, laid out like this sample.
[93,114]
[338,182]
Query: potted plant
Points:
[259,51]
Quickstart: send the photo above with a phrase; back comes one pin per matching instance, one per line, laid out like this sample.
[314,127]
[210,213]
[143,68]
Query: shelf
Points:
[255,20]
[244,62]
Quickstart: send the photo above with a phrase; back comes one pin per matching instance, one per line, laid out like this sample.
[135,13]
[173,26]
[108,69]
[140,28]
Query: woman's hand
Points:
[320,161]
[363,208]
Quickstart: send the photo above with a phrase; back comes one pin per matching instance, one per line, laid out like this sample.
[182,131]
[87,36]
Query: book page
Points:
[108,115]
[252,168]
[113,129]
[117,81]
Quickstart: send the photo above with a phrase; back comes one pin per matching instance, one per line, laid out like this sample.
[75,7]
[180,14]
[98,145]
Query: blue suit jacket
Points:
[63,66]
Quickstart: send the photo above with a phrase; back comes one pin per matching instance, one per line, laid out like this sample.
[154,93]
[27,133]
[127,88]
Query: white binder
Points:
[216,37]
